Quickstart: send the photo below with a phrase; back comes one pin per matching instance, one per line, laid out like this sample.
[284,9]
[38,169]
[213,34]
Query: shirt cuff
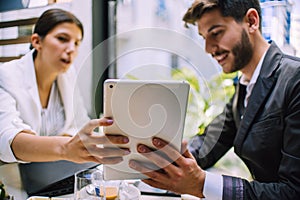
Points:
[213,186]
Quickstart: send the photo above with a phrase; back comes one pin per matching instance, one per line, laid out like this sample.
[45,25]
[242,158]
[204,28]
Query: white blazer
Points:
[20,103]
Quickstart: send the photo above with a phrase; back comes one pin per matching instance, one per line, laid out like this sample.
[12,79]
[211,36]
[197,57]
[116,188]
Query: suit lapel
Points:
[261,91]
[259,95]
[31,87]
[66,89]
[30,78]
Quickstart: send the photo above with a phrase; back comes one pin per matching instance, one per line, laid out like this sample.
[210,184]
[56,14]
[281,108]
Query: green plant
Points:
[207,97]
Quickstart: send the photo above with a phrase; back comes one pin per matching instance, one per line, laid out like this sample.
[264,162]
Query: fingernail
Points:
[127,152]
[132,164]
[142,148]
[156,142]
[125,140]
[110,121]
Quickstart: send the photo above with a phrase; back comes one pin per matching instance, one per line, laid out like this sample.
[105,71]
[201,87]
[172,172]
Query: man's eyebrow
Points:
[213,27]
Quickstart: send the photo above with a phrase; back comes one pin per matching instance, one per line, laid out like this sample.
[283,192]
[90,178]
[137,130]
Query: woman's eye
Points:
[63,39]
[77,44]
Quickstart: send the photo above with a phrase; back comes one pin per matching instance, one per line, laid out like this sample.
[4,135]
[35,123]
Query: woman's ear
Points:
[253,20]
[36,41]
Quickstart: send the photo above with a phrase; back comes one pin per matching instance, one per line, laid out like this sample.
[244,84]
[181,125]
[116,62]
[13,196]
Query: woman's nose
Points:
[72,47]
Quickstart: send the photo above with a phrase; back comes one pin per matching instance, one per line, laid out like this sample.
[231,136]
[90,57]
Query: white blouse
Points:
[53,117]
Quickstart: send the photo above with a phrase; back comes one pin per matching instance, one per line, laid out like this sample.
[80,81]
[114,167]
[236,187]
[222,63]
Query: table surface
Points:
[10,176]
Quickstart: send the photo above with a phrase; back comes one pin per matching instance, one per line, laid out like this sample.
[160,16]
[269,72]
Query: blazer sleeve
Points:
[80,114]
[76,113]
[10,125]
[216,140]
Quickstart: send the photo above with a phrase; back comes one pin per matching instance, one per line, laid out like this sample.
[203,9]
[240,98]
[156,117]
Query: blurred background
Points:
[146,39]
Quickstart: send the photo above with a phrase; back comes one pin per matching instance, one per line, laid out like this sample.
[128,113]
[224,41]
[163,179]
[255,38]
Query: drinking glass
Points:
[90,185]
[84,189]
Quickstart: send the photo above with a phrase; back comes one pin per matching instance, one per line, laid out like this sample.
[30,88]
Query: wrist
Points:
[198,191]
[201,183]
[62,147]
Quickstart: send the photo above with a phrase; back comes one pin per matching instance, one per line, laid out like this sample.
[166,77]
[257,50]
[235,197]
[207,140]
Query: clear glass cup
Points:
[90,185]
[84,189]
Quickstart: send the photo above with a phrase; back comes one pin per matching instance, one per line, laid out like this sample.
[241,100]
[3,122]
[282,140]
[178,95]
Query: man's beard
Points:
[243,52]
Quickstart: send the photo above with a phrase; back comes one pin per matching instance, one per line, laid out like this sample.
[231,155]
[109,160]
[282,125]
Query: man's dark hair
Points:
[236,9]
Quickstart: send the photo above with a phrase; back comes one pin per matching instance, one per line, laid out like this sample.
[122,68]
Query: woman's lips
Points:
[67,61]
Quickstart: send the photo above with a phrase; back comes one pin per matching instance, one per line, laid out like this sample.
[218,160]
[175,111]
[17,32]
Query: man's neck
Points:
[260,47]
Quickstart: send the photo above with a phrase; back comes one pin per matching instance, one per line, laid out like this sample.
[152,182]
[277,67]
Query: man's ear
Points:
[36,41]
[253,20]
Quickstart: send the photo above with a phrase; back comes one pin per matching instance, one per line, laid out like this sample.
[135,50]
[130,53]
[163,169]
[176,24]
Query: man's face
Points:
[226,40]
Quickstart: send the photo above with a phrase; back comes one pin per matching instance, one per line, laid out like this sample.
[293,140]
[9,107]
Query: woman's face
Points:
[58,49]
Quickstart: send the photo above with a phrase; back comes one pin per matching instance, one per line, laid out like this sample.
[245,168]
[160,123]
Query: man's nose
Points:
[210,47]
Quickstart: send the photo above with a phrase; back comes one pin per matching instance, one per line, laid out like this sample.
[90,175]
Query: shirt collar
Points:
[255,75]
[250,84]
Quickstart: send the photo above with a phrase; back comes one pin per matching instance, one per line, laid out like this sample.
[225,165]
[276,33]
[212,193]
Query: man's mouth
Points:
[221,57]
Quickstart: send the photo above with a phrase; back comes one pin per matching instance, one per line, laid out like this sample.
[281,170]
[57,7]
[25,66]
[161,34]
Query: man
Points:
[261,121]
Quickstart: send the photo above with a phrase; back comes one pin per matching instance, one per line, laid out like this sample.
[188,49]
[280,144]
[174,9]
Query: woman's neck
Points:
[44,79]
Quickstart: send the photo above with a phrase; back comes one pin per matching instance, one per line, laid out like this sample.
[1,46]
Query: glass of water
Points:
[90,185]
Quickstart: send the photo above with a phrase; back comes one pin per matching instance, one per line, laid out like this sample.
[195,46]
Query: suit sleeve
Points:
[217,139]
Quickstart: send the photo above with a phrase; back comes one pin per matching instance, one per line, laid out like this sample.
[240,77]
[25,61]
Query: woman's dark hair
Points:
[53,17]
[228,8]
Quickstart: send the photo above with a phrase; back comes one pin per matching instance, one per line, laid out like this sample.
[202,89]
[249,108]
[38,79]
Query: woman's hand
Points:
[178,173]
[87,146]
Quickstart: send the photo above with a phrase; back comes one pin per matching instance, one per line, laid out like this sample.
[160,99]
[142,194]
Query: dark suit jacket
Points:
[266,138]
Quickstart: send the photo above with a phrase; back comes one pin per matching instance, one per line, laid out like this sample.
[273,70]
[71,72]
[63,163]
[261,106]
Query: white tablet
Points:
[143,109]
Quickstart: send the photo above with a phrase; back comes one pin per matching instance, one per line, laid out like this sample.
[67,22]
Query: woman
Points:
[39,99]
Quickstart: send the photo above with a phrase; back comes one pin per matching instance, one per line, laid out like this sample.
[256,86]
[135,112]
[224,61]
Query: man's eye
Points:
[215,34]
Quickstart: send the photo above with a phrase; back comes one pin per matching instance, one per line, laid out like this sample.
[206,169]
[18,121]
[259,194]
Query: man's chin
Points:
[227,70]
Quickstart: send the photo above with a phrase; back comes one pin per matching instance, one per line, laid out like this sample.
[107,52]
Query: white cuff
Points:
[213,186]
[6,153]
